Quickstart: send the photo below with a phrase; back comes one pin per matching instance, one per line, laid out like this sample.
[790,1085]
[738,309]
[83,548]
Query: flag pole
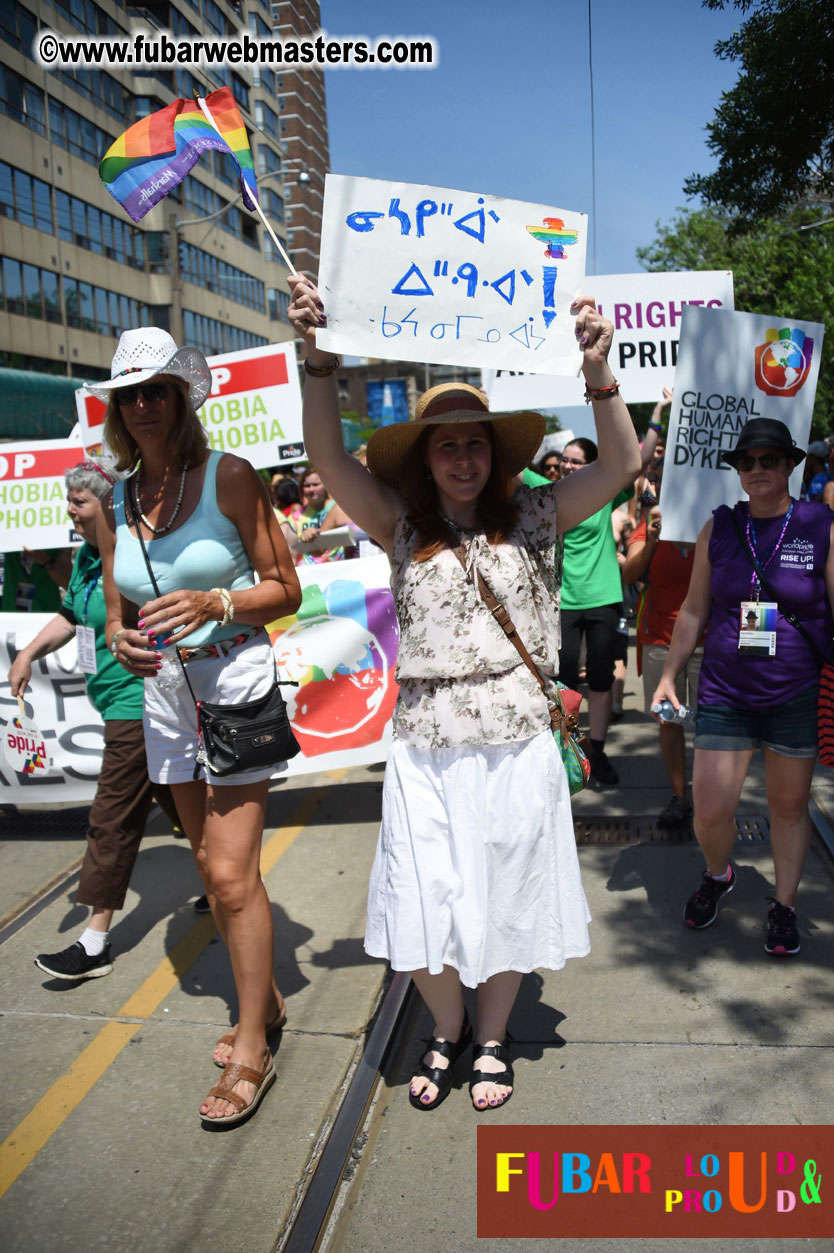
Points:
[207,114]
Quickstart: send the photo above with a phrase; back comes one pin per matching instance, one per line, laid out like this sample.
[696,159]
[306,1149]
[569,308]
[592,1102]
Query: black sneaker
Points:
[75,963]
[601,768]
[782,934]
[676,814]
[201,905]
[702,906]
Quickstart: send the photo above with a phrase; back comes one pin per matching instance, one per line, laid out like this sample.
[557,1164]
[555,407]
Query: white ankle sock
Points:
[721,878]
[93,942]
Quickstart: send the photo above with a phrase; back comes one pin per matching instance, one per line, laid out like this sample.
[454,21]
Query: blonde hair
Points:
[190,439]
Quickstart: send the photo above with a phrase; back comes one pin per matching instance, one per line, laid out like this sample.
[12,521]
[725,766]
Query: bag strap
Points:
[558,713]
[135,518]
[786,613]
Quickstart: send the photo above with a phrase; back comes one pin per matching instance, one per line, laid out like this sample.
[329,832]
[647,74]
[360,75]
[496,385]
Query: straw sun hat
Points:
[517,435]
[148,351]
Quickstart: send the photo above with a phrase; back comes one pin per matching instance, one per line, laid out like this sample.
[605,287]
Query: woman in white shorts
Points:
[206,520]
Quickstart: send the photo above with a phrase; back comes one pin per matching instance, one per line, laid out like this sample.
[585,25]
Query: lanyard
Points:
[89,588]
[761,566]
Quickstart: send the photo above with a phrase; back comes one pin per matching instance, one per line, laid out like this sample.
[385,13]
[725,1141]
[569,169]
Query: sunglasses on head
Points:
[152,393]
[768,461]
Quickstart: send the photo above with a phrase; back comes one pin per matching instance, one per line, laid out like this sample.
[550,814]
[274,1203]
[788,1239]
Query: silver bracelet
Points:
[114,643]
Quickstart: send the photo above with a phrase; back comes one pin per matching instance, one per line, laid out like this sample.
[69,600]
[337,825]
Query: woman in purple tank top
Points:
[760,677]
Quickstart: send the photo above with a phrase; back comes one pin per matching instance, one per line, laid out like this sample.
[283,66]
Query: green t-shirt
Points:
[591,573]
[29,590]
[531,479]
[114,692]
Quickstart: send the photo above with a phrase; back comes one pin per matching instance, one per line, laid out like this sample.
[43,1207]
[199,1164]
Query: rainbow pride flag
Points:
[157,152]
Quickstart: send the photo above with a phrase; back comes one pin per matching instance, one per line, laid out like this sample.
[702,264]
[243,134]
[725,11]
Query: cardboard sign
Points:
[419,273]
[253,409]
[732,367]
[646,310]
[33,494]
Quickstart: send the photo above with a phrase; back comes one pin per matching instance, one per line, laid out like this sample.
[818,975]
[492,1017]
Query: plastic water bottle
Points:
[169,676]
[682,717]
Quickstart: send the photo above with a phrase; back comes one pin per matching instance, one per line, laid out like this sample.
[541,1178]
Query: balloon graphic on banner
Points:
[340,648]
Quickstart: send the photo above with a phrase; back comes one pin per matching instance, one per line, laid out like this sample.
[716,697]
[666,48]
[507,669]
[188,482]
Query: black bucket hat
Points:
[764,433]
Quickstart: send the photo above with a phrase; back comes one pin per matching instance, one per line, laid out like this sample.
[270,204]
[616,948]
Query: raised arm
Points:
[580,495]
[374,506]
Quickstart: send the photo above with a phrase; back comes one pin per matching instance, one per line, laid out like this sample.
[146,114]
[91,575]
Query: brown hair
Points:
[497,512]
[190,439]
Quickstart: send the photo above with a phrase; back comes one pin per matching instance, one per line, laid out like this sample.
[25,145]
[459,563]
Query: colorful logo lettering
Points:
[783,362]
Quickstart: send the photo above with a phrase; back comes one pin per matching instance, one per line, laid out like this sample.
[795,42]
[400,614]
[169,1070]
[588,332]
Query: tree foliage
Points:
[778,268]
[773,133]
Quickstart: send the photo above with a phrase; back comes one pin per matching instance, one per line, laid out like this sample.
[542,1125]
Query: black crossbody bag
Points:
[232,738]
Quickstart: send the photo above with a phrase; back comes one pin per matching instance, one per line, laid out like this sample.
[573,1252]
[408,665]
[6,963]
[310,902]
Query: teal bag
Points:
[573,747]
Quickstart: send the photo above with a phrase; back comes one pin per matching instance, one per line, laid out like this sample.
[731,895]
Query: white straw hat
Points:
[147,351]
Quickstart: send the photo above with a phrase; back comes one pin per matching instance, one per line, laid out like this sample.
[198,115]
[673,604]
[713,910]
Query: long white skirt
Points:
[476,864]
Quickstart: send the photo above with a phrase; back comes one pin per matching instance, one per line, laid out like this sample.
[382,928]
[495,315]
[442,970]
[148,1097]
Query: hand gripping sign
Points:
[419,273]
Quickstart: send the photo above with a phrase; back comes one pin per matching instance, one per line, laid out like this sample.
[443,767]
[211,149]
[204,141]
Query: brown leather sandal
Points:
[235,1073]
[274,1027]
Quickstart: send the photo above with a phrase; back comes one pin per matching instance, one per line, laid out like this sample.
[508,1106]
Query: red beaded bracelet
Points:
[601,393]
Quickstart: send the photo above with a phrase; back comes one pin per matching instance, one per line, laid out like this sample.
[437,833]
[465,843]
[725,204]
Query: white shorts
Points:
[170,718]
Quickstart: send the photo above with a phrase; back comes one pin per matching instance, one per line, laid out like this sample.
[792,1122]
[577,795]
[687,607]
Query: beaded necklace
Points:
[761,566]
[159,530]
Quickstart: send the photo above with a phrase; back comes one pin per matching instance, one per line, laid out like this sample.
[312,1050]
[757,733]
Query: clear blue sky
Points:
[508,109]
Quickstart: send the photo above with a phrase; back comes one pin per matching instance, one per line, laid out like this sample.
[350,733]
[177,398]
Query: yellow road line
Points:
[55,1106]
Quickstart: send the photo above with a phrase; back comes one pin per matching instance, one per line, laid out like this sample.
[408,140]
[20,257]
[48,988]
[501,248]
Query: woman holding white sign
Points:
[755,564]
[187,518]
[476,879]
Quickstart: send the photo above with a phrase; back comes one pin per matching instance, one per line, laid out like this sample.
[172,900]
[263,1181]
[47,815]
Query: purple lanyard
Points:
[761,566]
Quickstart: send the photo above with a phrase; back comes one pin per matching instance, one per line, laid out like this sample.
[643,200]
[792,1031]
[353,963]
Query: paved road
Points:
[102,1143]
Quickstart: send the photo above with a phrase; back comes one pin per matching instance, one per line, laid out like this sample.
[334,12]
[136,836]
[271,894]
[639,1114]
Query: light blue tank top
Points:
[205,552]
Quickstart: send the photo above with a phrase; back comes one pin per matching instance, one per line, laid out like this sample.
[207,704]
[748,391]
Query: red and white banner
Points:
[33,494]
[340,648]
[253,409]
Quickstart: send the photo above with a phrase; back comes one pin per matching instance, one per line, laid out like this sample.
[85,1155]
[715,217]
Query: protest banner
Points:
[340,647]
[33,494]
[253,408]
[731,367]
[646,312]
[419,273]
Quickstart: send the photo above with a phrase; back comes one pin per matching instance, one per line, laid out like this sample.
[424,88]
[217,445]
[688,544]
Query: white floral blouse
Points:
[461,680]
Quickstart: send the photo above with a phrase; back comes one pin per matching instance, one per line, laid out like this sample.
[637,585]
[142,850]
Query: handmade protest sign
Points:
[646,311]
[253,408]
[418,273]
[33,494]
[731,367]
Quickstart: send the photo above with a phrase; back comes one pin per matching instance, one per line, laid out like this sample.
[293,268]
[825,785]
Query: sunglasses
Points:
[768,461]
[152,394]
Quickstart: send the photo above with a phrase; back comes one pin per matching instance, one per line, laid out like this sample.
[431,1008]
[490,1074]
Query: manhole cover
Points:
[750,829]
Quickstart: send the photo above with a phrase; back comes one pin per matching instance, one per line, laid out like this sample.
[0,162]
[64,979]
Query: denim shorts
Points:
[789,729]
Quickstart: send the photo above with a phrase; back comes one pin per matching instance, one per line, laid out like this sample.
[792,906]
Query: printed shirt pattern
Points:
[461,680]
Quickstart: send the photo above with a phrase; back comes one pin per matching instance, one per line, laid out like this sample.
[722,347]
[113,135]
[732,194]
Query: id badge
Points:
[86,639]
[757,628]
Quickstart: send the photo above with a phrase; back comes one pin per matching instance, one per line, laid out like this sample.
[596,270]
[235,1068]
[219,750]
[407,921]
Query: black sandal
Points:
[504,1077]
[442,1079]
